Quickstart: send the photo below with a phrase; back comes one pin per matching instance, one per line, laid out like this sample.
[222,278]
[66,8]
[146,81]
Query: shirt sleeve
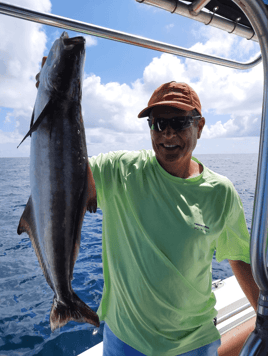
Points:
[98,165]
[106,171]
[234,241]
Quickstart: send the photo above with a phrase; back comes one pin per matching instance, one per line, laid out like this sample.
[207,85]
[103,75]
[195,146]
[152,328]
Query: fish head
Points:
[62,74]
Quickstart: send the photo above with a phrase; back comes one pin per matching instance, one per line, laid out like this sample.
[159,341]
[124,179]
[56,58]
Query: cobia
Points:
[62,185]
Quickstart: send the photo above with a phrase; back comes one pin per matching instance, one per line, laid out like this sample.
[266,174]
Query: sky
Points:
[119,79]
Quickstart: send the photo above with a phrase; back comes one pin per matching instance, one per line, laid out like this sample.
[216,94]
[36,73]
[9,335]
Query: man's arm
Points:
[233,340]
[243,274]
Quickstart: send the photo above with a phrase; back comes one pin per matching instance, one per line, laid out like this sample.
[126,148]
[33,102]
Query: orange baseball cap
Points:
[177,95]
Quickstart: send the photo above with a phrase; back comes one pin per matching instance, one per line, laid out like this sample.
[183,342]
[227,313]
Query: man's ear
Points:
[200,125]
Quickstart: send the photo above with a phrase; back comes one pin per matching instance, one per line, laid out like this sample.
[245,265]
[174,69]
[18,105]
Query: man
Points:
[164,214]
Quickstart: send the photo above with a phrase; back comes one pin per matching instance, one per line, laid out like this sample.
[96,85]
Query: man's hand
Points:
[243,274]
[38,74]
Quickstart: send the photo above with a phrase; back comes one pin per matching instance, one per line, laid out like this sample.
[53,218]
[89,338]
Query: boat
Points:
[249,19]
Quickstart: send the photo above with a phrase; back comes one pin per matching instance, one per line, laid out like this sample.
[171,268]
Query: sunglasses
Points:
[176,123]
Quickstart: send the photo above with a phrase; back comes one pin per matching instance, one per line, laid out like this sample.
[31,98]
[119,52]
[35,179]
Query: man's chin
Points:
[168,158]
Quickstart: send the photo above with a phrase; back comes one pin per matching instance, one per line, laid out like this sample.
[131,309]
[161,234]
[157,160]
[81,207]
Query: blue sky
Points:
[119,78]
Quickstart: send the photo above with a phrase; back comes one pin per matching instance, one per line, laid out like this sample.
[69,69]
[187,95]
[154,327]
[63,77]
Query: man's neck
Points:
[183,169]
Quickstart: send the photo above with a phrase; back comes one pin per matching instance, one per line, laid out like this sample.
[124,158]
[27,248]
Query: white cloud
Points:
[21,48]
[9,142]
[8,118]
[219,43]
[240,126]
[90,40]
[112,105]
[227,91]
[9,137]
[102,140]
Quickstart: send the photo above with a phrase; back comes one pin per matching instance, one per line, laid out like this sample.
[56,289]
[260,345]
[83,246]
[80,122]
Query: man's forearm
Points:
[243,274]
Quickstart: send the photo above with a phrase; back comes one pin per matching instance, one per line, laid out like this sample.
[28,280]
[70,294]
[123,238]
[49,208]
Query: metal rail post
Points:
[257,343]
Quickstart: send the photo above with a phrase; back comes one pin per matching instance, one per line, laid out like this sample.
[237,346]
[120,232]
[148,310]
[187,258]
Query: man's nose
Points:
[169,132]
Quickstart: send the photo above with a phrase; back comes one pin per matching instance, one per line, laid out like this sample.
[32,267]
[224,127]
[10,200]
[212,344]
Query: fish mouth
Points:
[70,43]
[74,41]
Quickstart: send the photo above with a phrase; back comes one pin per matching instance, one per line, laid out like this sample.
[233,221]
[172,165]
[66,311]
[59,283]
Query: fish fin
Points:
[72,309]
[91,205]
[32,119]
[35,125]
[92,195]
[27,224]
[87,201]
[80,213]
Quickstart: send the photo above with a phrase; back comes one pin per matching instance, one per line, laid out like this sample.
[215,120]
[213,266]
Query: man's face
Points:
[172,146]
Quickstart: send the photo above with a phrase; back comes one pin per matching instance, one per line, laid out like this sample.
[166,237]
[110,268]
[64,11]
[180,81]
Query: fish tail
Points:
[72,309]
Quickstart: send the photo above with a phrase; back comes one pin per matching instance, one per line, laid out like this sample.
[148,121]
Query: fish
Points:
[62,184]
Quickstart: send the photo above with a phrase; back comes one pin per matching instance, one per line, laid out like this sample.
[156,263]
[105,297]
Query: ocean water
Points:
[26,298]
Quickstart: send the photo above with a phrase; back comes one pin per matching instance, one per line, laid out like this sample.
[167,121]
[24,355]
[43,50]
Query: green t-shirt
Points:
[159,235]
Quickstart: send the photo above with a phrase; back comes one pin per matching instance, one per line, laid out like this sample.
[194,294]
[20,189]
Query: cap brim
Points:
[146,112]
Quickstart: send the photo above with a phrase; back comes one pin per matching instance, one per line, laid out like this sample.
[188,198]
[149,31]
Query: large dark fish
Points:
[62,185]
